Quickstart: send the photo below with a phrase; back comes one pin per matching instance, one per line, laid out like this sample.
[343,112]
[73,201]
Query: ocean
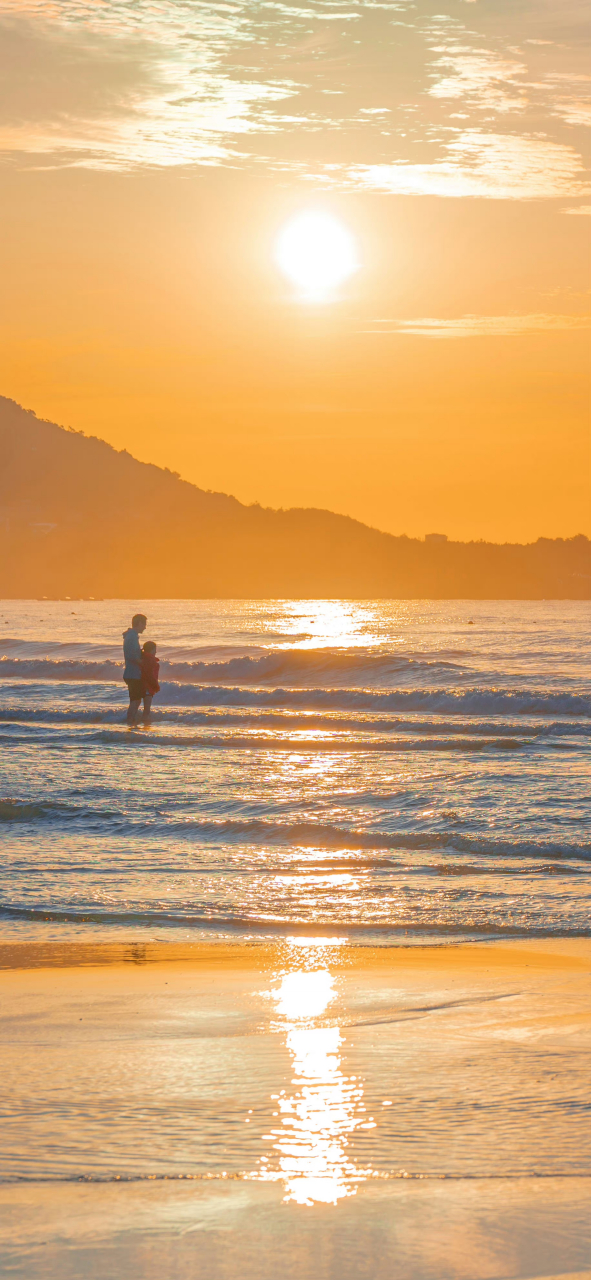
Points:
[379,771]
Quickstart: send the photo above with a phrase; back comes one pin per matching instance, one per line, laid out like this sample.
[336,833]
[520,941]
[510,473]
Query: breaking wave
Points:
[292,667]
[466,701]
[471,701]
[288,666]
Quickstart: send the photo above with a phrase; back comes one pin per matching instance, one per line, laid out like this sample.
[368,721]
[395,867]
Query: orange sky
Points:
[154,152]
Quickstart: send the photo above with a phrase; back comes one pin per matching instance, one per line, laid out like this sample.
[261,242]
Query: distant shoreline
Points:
[144,596]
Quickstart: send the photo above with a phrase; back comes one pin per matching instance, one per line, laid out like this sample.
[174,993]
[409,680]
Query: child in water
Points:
[150,667]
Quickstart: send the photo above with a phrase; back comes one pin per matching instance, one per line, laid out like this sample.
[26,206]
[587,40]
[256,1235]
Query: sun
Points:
[317,253]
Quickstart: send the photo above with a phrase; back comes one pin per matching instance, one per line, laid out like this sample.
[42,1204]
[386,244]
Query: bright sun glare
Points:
[317,253]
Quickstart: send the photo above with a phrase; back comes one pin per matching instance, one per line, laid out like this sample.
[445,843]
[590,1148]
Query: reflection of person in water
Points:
[132,652]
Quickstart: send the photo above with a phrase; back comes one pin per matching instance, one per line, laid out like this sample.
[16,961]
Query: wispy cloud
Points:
[570,96]
[487,166]
[119,85]
[479,77]
[577,113]
[473,326]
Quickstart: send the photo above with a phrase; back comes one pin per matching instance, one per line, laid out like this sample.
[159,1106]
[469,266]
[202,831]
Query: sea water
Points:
[388,771]
[322,781]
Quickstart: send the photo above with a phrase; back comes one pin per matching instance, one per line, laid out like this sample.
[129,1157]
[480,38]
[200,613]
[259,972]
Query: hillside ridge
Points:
[73,510]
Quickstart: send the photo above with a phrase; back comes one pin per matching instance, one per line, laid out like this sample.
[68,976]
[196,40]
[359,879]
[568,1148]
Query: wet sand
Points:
[301,1109]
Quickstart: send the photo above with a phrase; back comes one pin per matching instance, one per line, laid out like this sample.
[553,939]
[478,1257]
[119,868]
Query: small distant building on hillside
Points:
[435,537]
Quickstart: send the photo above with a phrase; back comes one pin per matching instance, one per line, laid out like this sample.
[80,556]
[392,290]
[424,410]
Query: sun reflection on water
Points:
[319,624]
[325,1106]
[304,995]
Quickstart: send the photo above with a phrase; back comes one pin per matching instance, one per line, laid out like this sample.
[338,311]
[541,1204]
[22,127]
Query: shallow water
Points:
[307,1063]
[387,770]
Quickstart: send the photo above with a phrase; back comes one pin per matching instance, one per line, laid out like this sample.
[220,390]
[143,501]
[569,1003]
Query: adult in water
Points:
[132,652]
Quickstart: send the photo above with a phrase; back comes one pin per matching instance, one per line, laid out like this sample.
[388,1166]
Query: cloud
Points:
[583,210]
[407,107]
[574,112]
[568,97]
[114,96]
[481,77]
[488,166]
[578,113]
[480,326]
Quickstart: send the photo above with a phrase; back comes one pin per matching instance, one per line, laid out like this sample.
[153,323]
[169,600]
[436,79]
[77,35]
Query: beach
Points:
[296,978]
[304,1108]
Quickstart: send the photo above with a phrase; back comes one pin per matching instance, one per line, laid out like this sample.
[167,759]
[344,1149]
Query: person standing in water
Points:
[150,673]
[132,652]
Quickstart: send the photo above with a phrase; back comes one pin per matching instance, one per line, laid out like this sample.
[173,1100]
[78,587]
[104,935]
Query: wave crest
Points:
[292,667]
[189,692]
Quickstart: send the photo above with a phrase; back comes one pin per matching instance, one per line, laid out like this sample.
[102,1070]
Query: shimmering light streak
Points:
[317,1119]
[319,624]
[326,1105]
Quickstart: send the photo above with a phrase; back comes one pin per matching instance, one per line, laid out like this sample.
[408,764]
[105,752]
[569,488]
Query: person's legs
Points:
[132,710]
[134,688]
[147,705]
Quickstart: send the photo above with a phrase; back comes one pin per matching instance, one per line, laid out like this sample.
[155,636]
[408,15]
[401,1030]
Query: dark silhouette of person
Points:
[132,652]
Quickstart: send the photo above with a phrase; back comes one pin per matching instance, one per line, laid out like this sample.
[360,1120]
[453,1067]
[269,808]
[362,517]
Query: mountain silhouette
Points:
[79,518]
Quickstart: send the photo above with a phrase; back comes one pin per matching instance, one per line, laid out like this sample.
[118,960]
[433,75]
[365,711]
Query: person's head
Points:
[149,647]
[138,622]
